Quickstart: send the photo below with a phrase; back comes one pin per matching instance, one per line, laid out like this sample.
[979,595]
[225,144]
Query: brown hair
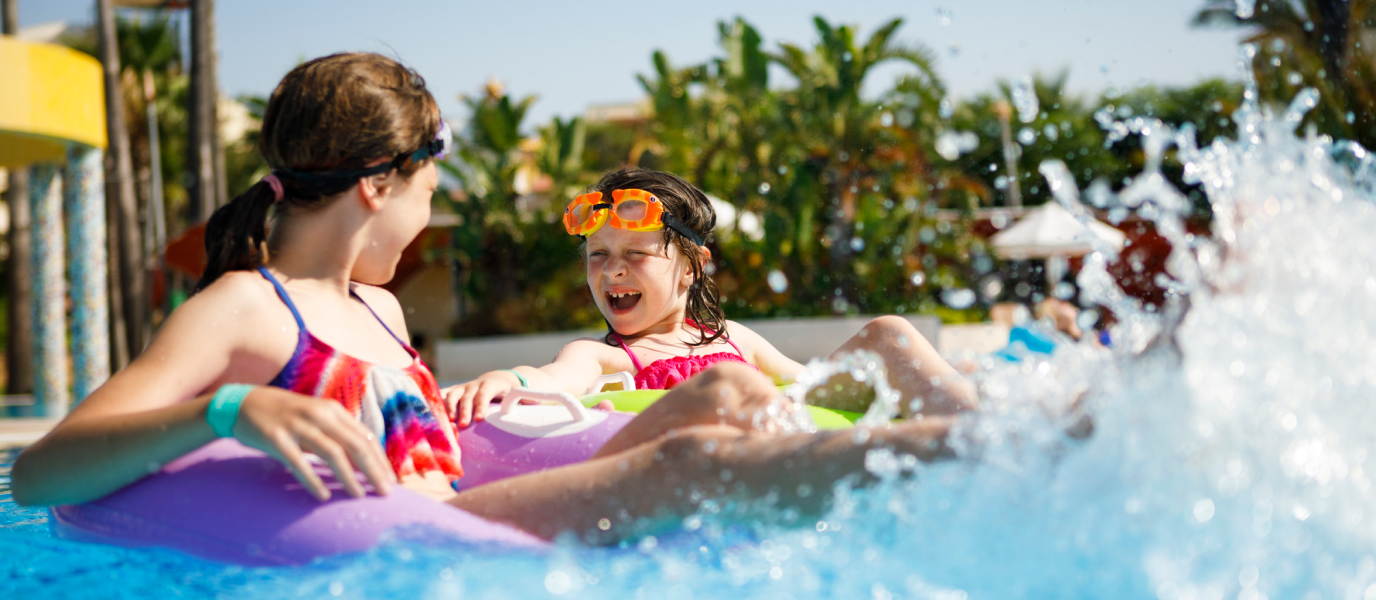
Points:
[327,117]
[690,206]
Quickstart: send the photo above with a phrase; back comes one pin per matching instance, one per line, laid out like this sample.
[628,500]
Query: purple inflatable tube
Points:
[229,503]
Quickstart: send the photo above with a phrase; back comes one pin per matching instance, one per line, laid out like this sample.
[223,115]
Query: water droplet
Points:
[960,298]
[1246,8]
[990,287]
[1025,100]
[604,524]
[857,244]
[1300,512]
[943,16]
[1248,576]
[558,583]
[764,188]
[1204,510]
[918,278]
[777,281]
[1026,136]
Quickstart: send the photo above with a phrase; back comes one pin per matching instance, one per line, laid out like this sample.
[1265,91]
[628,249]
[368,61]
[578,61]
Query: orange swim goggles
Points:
[630,209]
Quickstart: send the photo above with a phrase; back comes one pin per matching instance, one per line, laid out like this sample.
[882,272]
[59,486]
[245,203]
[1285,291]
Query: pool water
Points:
[1231,434]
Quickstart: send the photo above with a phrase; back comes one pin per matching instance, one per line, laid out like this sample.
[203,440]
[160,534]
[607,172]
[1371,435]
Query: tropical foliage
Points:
[1323,44]
[830,200]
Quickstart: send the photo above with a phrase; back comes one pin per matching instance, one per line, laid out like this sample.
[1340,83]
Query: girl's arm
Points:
[141,418]
[574,369]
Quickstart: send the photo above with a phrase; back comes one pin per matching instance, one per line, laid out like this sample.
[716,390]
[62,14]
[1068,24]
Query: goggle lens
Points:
[632,210]
[582,213]
[445,136]
[437,148]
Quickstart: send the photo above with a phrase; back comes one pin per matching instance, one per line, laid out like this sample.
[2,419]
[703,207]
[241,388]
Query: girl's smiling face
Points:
[638,281]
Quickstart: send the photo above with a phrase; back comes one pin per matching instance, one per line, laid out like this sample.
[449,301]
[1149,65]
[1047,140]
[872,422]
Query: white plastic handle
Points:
[622,377]
[566,399]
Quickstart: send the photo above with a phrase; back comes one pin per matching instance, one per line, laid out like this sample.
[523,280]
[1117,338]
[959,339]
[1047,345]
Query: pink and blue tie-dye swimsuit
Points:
[402,407]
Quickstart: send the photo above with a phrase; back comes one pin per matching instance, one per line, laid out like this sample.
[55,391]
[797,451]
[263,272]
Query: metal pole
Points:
[85,207]
[1010,153]
[155,232]
[49,291]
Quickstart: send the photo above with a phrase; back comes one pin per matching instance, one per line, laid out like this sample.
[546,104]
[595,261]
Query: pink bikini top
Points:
[666,373]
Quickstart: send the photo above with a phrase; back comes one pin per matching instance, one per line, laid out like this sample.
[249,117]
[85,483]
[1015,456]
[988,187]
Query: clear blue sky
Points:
[572,54]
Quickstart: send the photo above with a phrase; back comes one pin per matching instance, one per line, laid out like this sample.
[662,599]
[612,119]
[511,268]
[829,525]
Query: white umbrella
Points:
[1051,231]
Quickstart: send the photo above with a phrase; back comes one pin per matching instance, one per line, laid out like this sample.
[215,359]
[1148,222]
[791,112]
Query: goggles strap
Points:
[673,223]
[338,175]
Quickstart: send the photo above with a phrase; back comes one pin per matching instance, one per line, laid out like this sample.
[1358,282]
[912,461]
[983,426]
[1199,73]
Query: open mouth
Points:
[622,302]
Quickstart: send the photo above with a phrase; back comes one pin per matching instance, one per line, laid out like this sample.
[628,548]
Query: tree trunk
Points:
[9,17]
[19,350]
[204,159]
[119,194]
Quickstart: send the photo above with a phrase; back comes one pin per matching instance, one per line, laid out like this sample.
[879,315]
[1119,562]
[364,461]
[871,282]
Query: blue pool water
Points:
[1227,460]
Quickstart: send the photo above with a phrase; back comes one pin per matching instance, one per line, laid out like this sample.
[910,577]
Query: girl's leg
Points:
[728,394]
[914,368]
[656,484]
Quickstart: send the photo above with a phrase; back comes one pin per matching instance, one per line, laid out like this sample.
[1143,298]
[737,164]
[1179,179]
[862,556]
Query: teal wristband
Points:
[223,411]
[518,377]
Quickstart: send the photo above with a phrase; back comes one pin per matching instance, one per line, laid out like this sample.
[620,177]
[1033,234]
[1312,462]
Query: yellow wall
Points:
[50,96]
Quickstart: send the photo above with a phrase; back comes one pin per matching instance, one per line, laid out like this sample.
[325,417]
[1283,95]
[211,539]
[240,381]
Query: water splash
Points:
[864,368]
[1024,95]
[1232,468]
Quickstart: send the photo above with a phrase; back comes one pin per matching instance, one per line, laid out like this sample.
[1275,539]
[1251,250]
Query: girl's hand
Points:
[469,402]
[283,424]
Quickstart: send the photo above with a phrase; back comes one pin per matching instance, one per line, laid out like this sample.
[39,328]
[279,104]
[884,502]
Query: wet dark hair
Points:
[328,116]
[691,207]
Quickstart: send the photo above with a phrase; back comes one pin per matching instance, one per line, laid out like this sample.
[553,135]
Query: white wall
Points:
[800,339]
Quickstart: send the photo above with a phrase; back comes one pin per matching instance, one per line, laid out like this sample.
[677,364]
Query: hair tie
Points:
[276,185]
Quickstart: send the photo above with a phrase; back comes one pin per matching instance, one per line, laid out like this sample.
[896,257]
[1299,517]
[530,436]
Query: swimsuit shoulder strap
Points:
[738,348]
[724,337]
[282,293]
[622,343]
[379,319]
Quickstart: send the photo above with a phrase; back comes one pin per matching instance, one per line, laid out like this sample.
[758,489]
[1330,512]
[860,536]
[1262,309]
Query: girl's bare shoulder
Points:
[237,297]
[612,359]
[233,329]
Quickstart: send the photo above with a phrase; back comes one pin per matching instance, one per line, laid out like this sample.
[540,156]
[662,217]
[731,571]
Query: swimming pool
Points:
[1228,457]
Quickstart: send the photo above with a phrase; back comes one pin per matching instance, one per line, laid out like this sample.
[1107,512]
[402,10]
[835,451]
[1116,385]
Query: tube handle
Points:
[622,377]
[566,399]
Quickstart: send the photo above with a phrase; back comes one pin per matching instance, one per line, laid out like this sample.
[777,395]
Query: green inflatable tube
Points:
[637,400]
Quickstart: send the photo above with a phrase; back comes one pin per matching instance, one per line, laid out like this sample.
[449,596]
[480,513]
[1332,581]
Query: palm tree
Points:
[511,257]
[1323,44]
[839,129]
[151,50]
